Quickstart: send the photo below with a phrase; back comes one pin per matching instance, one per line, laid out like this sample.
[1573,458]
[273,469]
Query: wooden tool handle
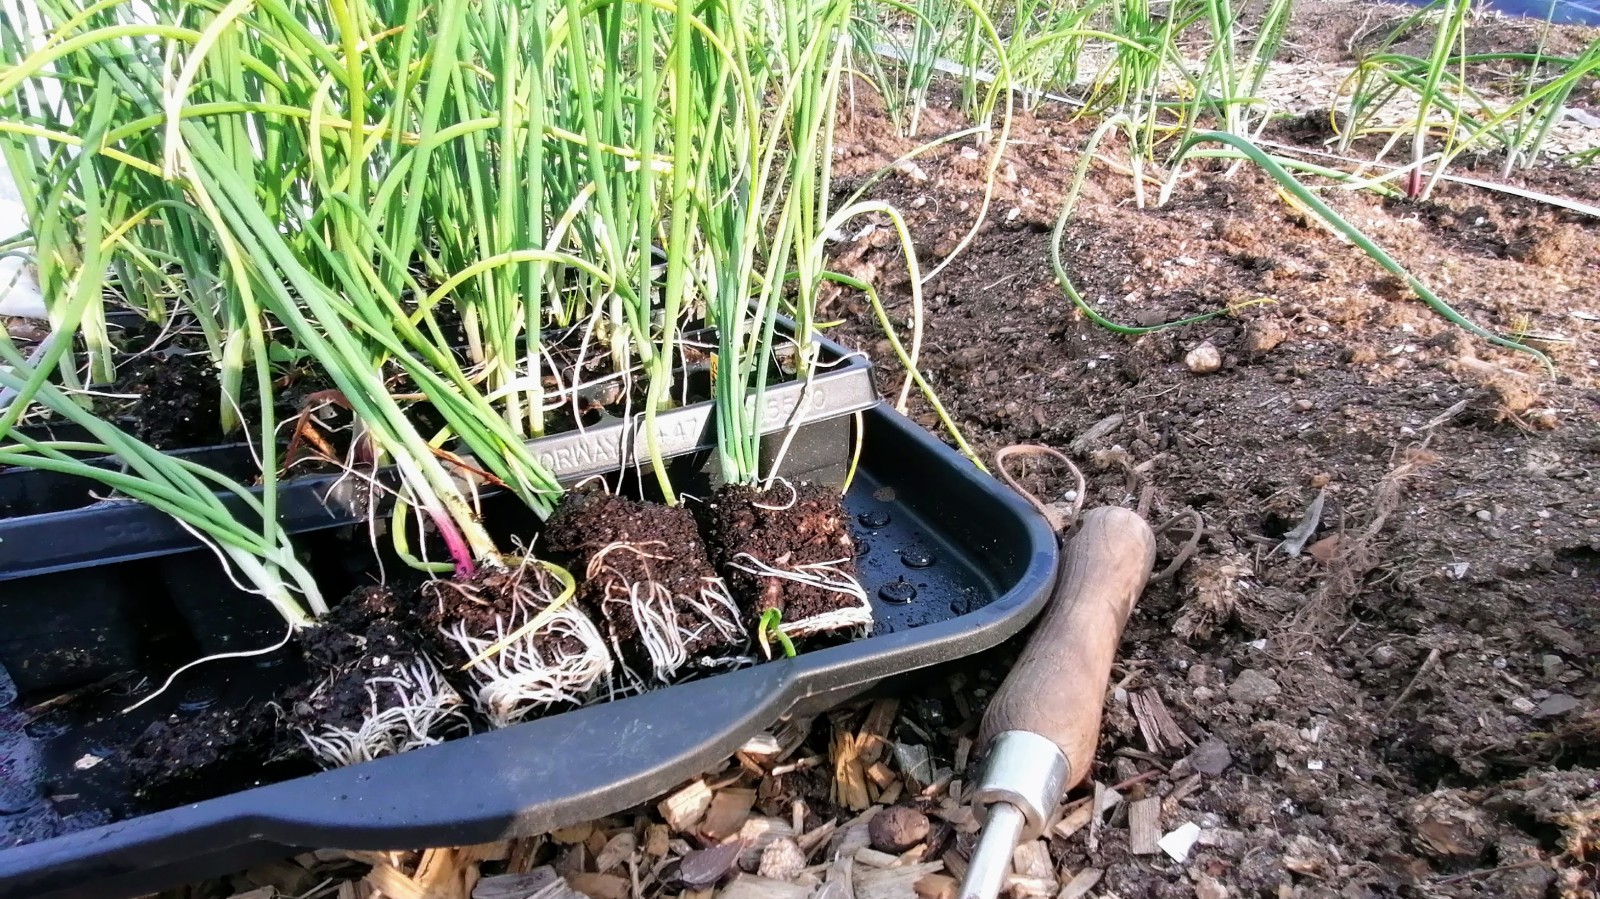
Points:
[1058,686]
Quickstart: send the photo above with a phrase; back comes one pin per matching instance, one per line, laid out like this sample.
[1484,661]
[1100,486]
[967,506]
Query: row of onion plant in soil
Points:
[405,239]
[1183,83]
[1177,67]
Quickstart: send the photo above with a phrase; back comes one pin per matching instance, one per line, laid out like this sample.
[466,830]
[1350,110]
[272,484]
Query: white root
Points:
[827,576]
[559,662]
[654,607]
[411,707]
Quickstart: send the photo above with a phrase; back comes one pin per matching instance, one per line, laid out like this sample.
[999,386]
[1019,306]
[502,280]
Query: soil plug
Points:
[526,647]
[788,549]
[374,690]
[646,574]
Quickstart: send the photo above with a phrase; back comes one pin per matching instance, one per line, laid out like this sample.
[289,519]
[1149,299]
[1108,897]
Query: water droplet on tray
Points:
[873,518]
[897,591]
[916,557]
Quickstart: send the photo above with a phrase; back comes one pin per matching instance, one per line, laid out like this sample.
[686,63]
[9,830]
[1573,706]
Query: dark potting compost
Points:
[359,671]
[645,574]
[788,549]
[512,641]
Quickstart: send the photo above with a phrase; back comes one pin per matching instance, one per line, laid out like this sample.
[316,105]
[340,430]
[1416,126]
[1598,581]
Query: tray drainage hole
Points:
[873,518]
[897,591]
[916,557]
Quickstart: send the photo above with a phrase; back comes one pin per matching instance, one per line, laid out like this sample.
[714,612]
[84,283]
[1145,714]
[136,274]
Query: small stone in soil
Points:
[1211,757]
[1556,705]
[1252,687]
[1204,359]
[896,829]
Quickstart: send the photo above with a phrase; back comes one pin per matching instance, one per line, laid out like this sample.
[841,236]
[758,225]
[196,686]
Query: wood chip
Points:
[955,863]
[872,741]
[600,886]
[568,836]
[617,850]
[1016,885]
[852,836]
[1144,826]
[393,883]
[573,860]
[881,774]
[849,777]
[1073,820]
[748,886]
[684,809]
[1100,429]
[872,858]
[728,811]
[1105,799]
[444,874]
[1080,884]
[936,886]
[521,886]
[498,851]
[1162,735]
[809,842]
[1032,859]
[892,883]
[963,754]
[655,840]
[1169,803]
[523,854]
[891,794]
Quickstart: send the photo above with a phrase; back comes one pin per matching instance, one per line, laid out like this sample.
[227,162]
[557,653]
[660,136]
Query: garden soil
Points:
[1405,706]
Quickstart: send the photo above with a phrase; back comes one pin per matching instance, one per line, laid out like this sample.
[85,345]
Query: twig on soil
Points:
[1139,778]
[1427,666]
[1189,548]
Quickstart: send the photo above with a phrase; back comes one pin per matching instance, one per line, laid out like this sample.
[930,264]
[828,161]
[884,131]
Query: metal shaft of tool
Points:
[991,862]
[1021,782]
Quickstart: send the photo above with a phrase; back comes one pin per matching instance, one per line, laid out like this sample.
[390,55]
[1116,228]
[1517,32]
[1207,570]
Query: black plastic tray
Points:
[80,531]
[993,563]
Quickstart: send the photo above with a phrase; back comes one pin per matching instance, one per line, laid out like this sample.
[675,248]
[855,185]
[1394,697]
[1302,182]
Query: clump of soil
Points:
[373,689]
[525,648]
[646,573]
[185,760]
[788,548]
